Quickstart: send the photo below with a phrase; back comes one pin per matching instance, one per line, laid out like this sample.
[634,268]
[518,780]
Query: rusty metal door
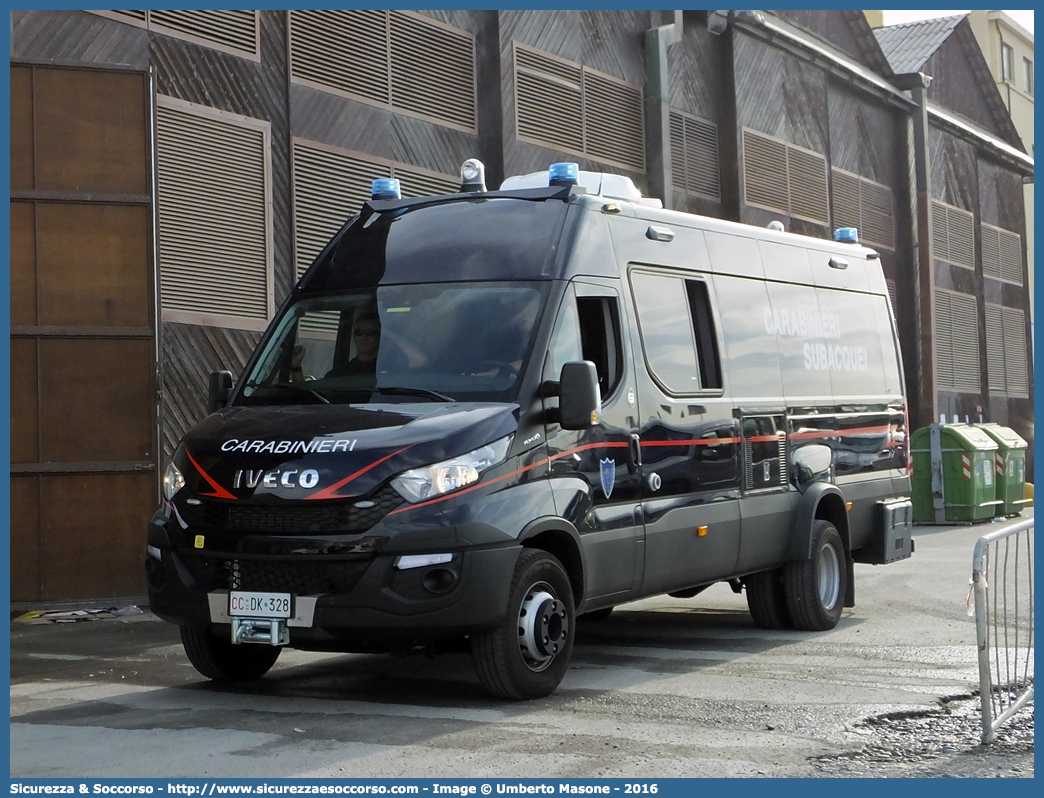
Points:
[83,333]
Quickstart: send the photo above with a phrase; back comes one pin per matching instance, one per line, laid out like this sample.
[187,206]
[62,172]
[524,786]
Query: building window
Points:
[1007,62]
[865,205]
[956,342]
[1001,254]
[330,185]
[215,246]
[782,177]
[569,107]
[401,60]
[953,235]
[1006,356]
[232,31]
[1027,65]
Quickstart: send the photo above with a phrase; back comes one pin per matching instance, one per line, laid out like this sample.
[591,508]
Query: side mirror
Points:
[579,399]
[219,390]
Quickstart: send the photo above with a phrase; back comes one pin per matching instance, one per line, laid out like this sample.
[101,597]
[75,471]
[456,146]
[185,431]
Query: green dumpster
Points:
[1010,467]
[965,489]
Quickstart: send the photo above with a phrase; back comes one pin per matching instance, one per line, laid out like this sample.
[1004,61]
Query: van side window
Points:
[600,338]
[677,331]
[706,340]
[565,340]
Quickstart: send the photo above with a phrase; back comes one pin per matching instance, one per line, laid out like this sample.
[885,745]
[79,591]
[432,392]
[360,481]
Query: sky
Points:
[1024,18]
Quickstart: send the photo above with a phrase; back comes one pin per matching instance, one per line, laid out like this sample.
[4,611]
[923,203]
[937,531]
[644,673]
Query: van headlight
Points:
[457,472]
[172,481]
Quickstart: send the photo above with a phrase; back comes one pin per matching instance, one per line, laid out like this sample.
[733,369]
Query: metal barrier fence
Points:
[1002,580]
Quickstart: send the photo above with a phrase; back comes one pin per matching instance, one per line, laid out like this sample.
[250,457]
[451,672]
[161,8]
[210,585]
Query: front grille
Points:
[302,517]
[277,576]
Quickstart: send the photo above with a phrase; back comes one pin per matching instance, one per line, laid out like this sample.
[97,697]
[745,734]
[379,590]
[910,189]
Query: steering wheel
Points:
[498,367]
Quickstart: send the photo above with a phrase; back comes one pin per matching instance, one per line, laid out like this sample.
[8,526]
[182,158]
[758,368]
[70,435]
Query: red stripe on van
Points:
[328,493]
[219,491]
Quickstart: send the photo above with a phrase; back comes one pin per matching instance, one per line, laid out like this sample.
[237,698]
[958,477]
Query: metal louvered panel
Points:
[134,17]
[846,200]
[940,236]
[957,331]
[1015,355]
[213,214]
[614,121]
[806,172]
[329,187]
[694,156]
[549,112]
[943,341]
[765,172]
[416,183]
[343,50]
[433,70]
[961,230]
[892,297]
[877,222]
[548,66]
[990,236]
[237,30]
[995,371]
[678,176]
[1010,245]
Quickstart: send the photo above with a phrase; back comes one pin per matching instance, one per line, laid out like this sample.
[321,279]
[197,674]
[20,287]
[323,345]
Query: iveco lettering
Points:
[480,416]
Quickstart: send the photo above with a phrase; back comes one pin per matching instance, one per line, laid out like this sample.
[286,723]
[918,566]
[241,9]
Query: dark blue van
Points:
[480,416]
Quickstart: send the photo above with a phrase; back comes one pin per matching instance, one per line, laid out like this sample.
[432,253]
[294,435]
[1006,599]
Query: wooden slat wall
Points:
[190,353]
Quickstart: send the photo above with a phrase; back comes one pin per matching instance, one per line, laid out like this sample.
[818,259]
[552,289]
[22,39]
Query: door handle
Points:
[634,451]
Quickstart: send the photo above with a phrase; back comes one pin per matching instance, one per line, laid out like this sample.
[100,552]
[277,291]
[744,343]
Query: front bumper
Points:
[342,602]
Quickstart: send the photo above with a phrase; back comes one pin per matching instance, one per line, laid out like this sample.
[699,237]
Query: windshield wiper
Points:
[395,390]
[293,386]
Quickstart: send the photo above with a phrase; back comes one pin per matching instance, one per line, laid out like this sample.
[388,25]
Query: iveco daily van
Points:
[480,416]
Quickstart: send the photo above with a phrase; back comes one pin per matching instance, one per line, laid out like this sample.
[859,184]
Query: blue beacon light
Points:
[846,235]
[386,188]
[563,174]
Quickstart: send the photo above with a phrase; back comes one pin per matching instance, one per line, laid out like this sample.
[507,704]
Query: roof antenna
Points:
[776,225]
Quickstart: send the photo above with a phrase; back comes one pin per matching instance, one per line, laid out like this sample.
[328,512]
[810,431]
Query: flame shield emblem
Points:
[607,472]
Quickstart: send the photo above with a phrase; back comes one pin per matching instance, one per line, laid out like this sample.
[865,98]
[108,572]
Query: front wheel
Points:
[527,654]
[220,660]
[815,586]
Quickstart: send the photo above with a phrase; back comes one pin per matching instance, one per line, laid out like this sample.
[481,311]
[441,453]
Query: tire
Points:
[815,587]
[767,599]
[220,660]
[596,616]
[528,653]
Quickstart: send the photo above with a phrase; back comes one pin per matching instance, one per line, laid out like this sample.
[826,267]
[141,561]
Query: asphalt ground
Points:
[663,688]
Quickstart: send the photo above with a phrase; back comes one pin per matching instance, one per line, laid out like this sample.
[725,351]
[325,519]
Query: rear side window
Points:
[677,331]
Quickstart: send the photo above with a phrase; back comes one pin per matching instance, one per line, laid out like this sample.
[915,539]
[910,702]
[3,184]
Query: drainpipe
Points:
[924,393]
[657,108]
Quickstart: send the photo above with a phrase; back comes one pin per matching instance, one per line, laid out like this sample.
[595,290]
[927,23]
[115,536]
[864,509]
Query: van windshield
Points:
[464,342]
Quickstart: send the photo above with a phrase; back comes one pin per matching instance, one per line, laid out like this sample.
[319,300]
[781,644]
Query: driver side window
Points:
[565,340]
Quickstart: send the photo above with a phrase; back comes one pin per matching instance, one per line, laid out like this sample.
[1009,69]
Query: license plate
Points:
[251,604]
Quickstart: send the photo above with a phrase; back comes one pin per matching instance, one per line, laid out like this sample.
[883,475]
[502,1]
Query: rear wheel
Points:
[220,660]
[767,599]
[815,587]
[527,655]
